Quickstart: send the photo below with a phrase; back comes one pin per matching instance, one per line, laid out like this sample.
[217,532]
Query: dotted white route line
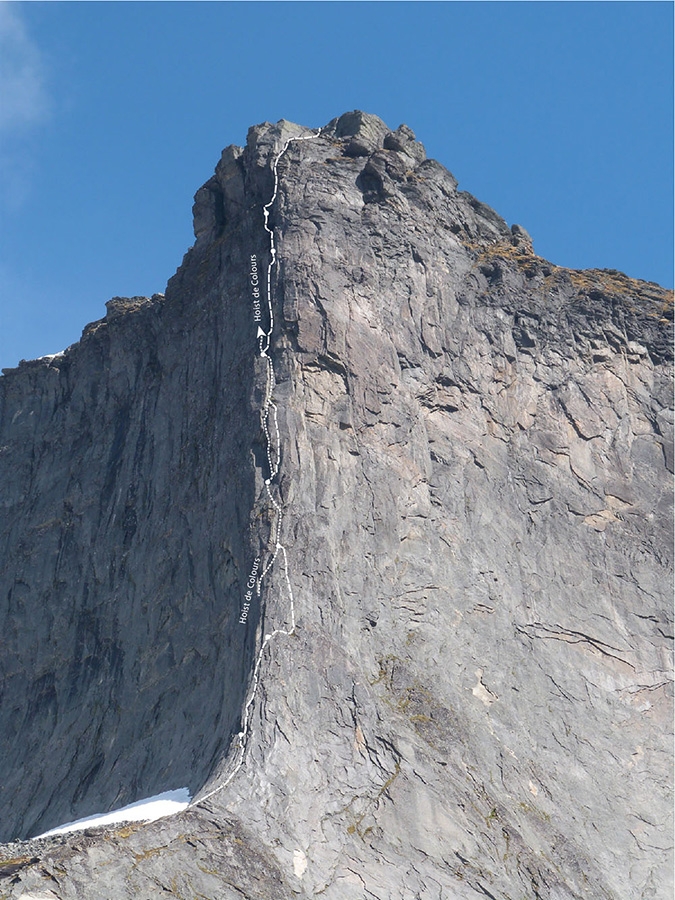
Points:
[265,336]
[273,452]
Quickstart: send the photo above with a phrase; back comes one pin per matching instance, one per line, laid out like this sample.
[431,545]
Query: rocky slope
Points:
[451,459]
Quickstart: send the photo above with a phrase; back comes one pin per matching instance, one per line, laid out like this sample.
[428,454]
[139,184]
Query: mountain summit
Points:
[361,533]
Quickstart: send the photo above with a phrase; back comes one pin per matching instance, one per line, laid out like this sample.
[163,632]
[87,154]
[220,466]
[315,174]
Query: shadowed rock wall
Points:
[127,489]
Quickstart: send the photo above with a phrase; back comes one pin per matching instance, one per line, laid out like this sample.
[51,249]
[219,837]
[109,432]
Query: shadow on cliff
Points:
[128,485]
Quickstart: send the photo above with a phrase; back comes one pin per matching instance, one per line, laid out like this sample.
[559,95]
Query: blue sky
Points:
[558,115]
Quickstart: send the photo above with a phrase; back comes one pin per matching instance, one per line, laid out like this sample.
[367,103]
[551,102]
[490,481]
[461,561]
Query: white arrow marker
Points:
[261,336]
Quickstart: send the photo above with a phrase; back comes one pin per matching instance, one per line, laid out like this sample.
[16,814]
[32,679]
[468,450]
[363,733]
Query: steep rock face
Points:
[466,692]
[127,486]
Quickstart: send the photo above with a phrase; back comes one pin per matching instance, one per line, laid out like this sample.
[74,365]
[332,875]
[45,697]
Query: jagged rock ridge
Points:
[475,447]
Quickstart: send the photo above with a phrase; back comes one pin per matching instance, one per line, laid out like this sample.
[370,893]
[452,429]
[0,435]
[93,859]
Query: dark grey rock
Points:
[364,133]
[476,699]
[520,238]
[403,141]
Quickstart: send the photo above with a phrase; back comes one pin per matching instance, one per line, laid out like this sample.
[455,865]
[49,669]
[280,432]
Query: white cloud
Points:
[24,105]
[23,98]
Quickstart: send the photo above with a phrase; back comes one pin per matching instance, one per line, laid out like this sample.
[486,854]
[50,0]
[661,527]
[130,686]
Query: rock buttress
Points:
[475,447]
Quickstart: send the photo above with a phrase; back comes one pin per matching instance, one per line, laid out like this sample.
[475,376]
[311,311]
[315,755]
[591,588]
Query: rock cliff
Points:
[377,563]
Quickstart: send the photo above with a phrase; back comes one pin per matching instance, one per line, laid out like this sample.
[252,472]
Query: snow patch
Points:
[43,895]
[147,810]
[299,863]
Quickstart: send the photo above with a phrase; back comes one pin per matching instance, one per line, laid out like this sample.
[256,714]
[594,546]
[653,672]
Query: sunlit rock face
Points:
[454,681]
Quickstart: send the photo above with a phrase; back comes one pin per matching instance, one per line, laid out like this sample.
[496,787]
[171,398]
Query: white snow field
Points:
[147,810]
